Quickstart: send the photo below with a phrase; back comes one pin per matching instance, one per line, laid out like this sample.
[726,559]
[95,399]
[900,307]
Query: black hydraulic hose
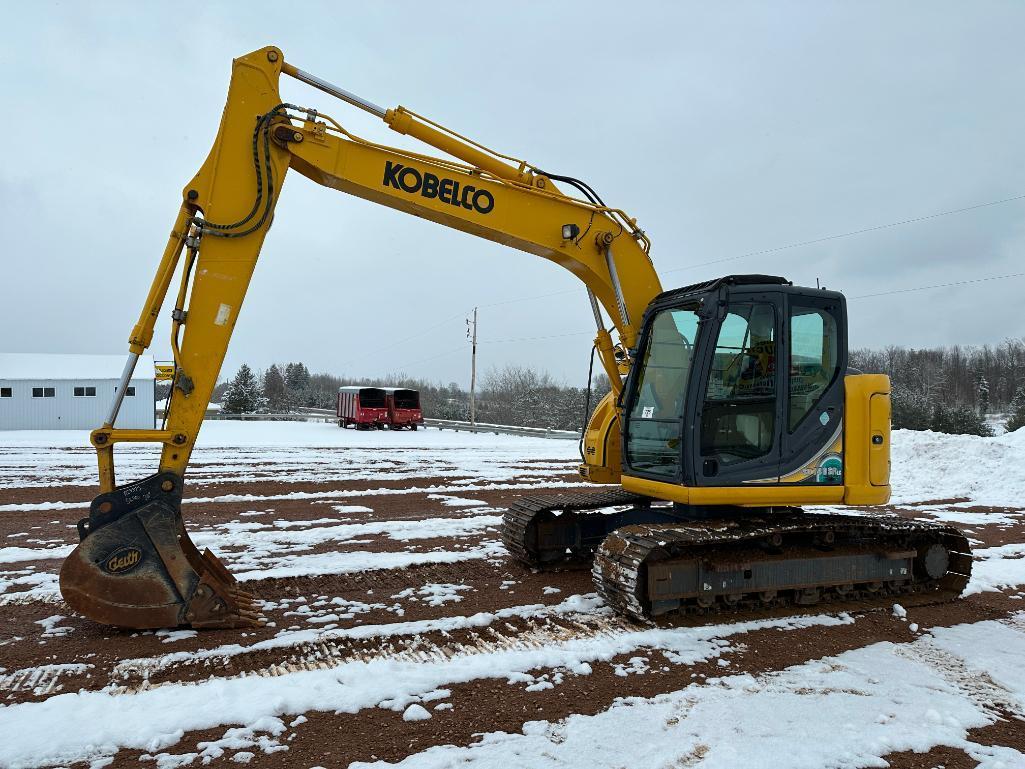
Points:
[189,263]
[262,129]
[584,187]
[587,405]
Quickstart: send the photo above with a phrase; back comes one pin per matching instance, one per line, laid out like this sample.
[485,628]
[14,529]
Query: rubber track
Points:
[620,575]
[515,531]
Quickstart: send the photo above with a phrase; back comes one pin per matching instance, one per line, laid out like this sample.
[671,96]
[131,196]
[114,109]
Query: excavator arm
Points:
[135,565]
[260,139]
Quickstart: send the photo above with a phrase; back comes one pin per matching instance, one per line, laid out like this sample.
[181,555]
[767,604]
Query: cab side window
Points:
[813,359]
[738,419]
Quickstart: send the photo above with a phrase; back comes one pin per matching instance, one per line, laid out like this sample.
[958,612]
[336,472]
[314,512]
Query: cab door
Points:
[815,349]
[737,401]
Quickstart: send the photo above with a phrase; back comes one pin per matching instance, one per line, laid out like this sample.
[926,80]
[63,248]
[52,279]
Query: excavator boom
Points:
[136,566]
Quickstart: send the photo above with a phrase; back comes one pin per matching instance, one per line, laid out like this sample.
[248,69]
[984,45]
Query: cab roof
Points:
[765,282]
[727,280]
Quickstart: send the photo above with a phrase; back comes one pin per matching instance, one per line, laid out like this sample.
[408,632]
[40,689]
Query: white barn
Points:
[41,391]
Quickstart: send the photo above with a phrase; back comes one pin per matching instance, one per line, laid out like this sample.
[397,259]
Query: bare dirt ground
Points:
[418,611]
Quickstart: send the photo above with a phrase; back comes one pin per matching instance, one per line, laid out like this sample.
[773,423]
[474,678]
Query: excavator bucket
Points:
[135,566]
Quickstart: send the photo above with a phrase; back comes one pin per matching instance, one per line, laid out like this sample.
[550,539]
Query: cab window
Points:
[813,359]
[656,408]
[738,418]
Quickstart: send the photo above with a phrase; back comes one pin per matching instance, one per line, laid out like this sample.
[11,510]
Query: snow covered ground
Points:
[289,452]
[847,710]
[400,634]
[235,433]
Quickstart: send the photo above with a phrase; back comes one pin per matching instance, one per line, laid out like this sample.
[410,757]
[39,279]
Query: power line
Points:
[432,357]
[533,338]
[760,252]
[940,285]
[530,298]
[862,231]
[584,333]
[426,331]
[860,296]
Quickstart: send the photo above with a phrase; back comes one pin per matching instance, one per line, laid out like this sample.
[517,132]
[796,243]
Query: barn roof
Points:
[38,365]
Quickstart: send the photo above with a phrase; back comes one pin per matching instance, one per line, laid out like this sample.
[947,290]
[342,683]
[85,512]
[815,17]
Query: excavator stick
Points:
[136,567]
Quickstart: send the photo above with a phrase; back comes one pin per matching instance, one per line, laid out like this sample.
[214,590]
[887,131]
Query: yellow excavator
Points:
[731,400]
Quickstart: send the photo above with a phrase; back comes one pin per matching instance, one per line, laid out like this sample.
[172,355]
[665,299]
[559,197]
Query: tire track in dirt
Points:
[493,587]
[40,681]
[975,686]
[528,632]
[494,705]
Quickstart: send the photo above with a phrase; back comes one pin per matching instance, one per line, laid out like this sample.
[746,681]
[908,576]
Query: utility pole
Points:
[471,333]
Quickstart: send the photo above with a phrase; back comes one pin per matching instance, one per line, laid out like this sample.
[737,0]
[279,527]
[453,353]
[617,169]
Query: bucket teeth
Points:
[217,602]
[218,568]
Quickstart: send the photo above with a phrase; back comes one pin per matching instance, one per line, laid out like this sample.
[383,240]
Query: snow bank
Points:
[997,568]
[987,471]
[926,465]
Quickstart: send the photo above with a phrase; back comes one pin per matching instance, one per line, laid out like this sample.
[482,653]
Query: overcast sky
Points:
[725,128]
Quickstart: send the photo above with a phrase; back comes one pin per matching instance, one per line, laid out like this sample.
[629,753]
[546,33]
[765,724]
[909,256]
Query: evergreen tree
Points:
[243,393]
[964,420]
[911,409]
[297,377]
[953,374]
[982,396]
[941,419]
[274,389]
[297,383]
[1016,419]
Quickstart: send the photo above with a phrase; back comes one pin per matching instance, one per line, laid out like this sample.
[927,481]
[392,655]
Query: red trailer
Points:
[403,408]
[365,408]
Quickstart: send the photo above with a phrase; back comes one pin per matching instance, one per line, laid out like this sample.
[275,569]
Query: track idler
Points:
[135,566]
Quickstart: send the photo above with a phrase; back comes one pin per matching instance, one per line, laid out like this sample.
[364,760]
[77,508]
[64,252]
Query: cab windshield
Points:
[656,407]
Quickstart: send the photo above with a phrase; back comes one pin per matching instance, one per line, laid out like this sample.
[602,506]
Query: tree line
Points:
[279,389]
[513,395]
[952,389]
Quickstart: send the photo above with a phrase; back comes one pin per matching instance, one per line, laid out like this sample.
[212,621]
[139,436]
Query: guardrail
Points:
[326,415]
[480,427]
[292,416]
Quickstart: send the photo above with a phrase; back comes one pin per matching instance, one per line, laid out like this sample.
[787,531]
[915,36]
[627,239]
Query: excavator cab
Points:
[737,381]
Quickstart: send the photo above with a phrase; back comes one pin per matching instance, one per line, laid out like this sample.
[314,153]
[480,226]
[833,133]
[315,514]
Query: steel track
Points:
[765,537]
